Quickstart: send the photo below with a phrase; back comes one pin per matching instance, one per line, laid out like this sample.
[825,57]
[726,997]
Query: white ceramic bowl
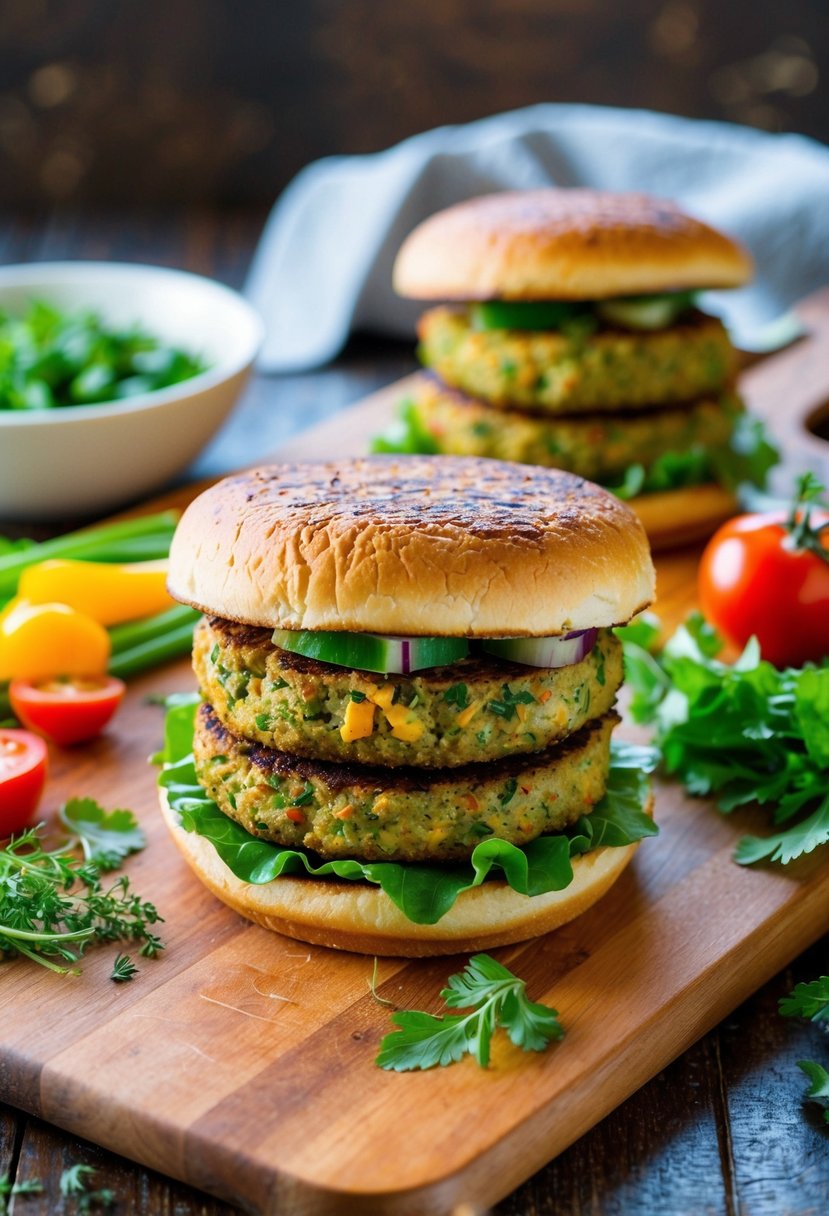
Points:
[82,459]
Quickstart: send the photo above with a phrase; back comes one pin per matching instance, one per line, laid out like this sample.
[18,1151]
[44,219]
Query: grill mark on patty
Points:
[366,776]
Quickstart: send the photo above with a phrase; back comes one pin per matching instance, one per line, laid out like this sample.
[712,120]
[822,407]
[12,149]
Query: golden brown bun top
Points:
[565,245]
[426,545]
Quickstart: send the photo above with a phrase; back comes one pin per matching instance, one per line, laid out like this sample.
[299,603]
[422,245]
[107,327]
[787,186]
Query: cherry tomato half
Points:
[66,711]
[753,579]
[22,777]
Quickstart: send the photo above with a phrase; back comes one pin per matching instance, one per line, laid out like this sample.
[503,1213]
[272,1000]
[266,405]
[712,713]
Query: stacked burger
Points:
[409,677]
[572,340]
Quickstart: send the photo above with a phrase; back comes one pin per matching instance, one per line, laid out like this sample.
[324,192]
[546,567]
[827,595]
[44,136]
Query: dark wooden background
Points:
[723,1132]
[224,100]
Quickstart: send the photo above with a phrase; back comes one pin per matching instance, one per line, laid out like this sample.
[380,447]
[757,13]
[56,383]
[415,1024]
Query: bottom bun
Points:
[361,917]
[676,517]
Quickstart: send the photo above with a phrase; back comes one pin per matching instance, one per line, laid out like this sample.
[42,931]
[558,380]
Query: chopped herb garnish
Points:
[306,796]
[50,358]
[458,695]
[356,696]
[505,708]
[508,792]
[123,969]
[495,997]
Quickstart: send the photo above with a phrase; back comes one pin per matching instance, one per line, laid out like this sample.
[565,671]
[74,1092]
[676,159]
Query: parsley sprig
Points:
[29,1186]
[811,1000]
[495,998]
[54,903]
[744,732]
[73,1185]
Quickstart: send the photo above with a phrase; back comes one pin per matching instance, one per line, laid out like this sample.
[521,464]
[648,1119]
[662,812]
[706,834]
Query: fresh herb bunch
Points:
[744,732]
[54,903]
[495,998]
[53,359]
[811,1000]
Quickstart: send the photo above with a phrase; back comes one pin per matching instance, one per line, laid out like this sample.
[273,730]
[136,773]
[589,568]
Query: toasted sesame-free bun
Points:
[360,917]
[564,245]
[432,545]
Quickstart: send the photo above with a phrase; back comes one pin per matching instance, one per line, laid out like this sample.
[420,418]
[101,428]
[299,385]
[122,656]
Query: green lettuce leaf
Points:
[423,893]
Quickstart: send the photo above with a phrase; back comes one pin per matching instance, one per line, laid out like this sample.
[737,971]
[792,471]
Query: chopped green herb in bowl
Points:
[51,358]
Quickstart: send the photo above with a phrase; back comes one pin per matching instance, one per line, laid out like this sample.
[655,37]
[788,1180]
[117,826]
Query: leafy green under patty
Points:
[423,893]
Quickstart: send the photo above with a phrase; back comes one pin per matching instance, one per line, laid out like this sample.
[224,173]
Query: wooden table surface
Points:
[723,1130]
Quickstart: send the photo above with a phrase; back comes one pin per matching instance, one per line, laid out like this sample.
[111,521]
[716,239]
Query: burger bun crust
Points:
[564,244]
[422,546]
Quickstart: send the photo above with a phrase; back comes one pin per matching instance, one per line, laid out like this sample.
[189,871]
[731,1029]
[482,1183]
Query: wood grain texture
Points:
[242,1062]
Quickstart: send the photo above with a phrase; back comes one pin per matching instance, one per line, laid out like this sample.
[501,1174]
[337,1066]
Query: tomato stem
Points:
[805,535]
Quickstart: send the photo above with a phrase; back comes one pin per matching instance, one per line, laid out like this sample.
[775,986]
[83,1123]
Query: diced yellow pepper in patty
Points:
[404,724]
[358,722]
[383,696]
[107,592]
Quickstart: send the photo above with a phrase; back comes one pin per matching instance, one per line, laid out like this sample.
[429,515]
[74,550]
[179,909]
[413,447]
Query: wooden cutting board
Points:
[242,1062]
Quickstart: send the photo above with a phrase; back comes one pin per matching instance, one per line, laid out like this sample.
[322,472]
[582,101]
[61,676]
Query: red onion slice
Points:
[544,652]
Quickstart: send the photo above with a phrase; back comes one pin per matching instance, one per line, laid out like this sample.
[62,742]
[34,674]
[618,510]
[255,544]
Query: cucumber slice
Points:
[544,652]
[372,651]
[531,314]
[646,312]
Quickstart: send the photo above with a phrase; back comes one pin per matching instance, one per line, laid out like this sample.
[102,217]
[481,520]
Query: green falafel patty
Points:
[554,371]
[400,814]
[478,709]
[599,447]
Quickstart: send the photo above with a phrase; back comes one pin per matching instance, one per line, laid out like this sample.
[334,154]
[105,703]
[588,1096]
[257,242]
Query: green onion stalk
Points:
[136,645]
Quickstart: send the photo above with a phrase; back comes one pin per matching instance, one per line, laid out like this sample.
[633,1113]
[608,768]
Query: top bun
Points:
[435,545]
[564,245]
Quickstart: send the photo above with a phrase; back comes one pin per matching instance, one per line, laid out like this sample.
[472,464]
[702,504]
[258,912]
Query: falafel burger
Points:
[407,673]
[572,338]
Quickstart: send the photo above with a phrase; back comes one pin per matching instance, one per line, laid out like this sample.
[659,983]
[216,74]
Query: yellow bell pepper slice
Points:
[38,641]
[108,592]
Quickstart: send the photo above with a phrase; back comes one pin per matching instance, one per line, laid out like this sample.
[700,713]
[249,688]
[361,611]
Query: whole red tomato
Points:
[22,776]
[768,575]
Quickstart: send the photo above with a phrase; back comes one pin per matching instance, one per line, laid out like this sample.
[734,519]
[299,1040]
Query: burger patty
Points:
[478,709]
[598,447]
[553,372]
[405,815]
